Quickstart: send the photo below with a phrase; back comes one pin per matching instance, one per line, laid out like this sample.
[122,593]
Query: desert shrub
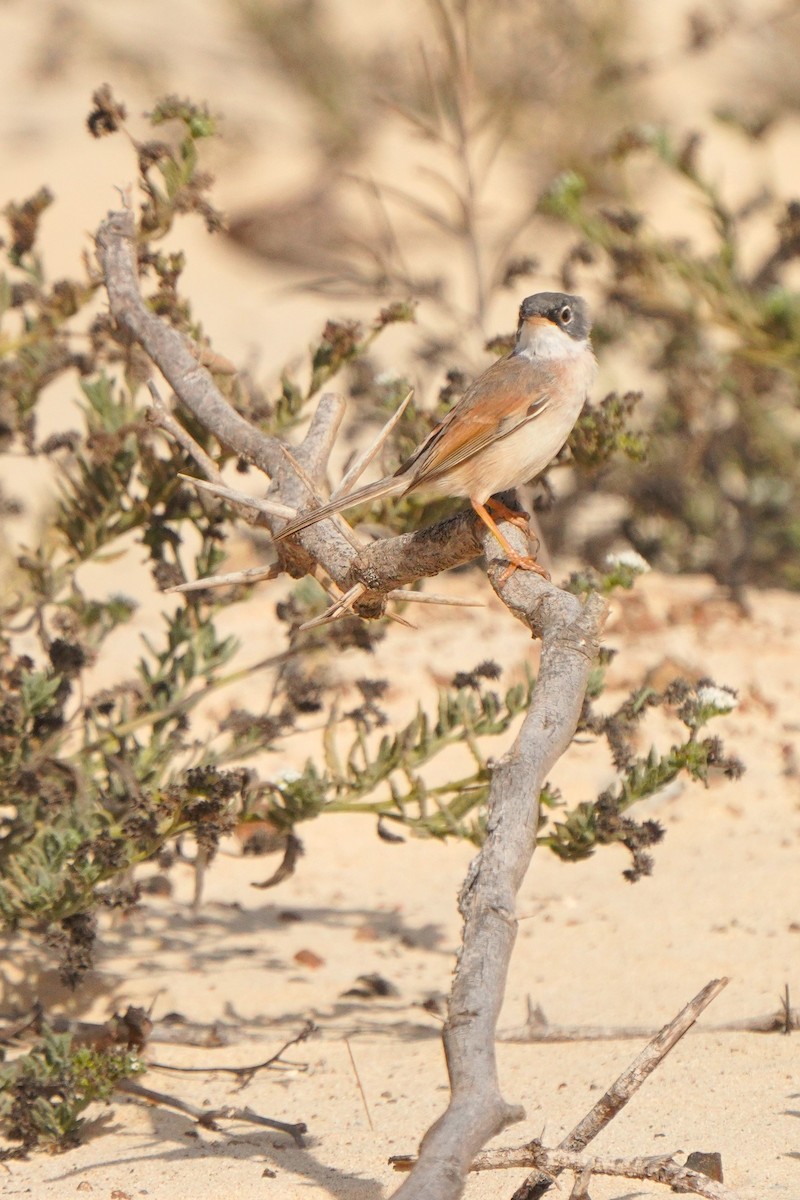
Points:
[721,492]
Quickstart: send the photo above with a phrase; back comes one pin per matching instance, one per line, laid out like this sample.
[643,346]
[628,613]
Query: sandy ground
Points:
[592,950]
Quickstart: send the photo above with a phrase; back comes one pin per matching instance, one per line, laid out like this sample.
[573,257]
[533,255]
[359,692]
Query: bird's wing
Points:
[506,396]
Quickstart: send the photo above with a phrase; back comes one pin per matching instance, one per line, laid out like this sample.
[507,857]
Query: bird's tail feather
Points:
[372,491]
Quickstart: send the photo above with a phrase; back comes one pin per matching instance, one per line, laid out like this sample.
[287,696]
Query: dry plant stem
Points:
[660,1169]
[208,1117]
[477,1110]
[160,416]
[245,1074]
[625,1086]
[539,1029]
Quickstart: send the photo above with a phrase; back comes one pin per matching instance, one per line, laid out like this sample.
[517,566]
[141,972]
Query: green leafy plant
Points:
[721,492]
[44,1092]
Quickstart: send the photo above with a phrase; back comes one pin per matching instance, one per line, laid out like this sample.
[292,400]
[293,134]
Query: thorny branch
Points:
[568,627]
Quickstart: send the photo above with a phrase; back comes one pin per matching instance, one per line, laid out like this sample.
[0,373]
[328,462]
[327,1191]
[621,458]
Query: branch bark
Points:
[477,1110]
[569,629]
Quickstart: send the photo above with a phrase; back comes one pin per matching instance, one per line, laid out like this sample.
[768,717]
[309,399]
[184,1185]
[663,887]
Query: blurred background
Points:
[461,155]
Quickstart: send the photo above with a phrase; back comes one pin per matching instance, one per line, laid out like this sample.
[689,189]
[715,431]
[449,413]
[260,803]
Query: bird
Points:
[506,428]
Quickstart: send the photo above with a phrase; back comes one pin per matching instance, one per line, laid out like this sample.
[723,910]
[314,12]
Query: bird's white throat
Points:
[547,341]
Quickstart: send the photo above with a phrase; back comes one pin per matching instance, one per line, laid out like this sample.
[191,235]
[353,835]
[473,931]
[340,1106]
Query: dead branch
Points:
[625,1086]
[538,1029]
[169,350]
[208,1117]
[477,1110]
[245,1074]
[657,1169]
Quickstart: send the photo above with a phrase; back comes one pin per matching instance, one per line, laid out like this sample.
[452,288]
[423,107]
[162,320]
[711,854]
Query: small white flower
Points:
[630,559]
[720,698]
[290,775]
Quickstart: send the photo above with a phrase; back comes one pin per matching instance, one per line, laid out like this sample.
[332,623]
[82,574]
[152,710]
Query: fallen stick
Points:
[623,1088]
[538,1029]
[245,1074]
[208,1117]
[656,1169]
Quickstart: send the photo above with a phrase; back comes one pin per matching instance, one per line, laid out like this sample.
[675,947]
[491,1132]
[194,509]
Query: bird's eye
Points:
[565,315]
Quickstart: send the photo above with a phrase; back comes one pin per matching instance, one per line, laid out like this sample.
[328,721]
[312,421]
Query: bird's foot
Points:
[523,562]
[502,512]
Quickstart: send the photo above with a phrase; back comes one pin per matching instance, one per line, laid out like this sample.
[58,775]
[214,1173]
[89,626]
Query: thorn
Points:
[366,456]
[249,575]
[257,502]
[408,596]
[339,608]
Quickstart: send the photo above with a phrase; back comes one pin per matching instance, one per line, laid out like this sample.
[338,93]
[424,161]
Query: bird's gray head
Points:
[569,313]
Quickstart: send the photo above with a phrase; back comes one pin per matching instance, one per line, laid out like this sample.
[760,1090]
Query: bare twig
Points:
[208,1117]
[538,1029]
[172,353]
[246,1073]
[658,1169]
[625,1086]
[580,1188]
[358,1083]
[160,415]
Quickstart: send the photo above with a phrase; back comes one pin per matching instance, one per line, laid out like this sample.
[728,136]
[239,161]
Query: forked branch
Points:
[568,627]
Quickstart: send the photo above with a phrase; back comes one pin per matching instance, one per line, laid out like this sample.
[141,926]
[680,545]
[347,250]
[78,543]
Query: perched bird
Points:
[507,426]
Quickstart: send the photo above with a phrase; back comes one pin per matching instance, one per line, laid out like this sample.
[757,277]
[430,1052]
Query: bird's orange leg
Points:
[523,562]
[503,513]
